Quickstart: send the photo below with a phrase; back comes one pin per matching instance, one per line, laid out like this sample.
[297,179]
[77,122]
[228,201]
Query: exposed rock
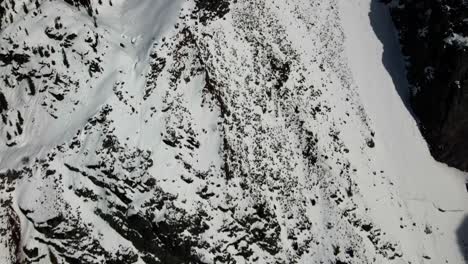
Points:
[434,37]
[197,131]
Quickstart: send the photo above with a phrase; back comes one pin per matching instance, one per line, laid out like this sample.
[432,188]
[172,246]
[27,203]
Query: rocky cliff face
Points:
[217,140]
[434,37]
[198,131]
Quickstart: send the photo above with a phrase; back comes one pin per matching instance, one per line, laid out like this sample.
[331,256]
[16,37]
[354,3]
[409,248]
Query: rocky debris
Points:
[10,225]
[223,155]
[82,3]
[433,36]
[44,69]
[207,10]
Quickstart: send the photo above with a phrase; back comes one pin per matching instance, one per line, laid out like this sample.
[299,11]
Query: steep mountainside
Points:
[434,37]
[207,131]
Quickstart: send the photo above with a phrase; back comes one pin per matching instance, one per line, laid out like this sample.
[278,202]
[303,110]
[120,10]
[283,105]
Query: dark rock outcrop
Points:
[84,3]
[433,37]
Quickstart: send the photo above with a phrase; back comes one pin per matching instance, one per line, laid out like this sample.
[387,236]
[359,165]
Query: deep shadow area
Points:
[392,58]
[462,238]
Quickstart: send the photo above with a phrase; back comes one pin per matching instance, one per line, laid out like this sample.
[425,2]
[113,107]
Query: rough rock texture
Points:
[173,131]
[225,146]
[434,37]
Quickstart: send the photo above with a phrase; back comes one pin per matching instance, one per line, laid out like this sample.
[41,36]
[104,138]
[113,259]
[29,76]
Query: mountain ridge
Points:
[208,132]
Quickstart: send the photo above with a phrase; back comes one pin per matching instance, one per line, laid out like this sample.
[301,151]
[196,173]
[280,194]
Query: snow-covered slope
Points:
[214,132]
[433,194]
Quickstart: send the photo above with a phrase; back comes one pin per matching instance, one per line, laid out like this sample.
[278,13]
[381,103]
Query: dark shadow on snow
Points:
[462,238]
[393,62]
[392,58]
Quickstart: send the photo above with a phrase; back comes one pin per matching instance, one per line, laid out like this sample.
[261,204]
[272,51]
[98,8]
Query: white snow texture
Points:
[191,131]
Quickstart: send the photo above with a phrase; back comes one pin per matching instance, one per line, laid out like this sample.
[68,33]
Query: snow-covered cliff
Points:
[214,131]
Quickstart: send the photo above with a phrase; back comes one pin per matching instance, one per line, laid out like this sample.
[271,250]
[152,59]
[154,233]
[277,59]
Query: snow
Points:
[349,57]
[422,184]
[457,39]
[118,27]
